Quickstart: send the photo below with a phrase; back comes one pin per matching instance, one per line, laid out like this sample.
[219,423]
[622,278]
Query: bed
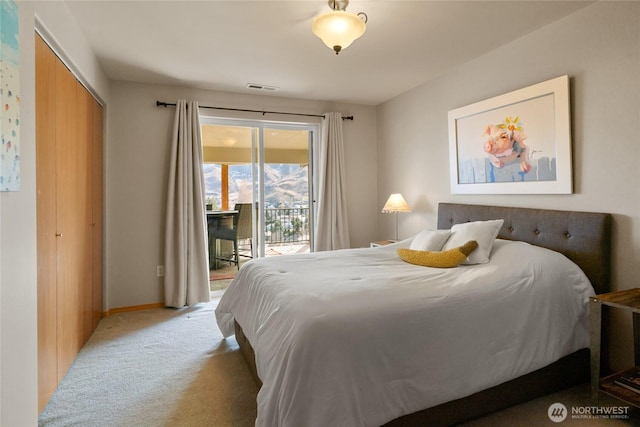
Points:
[351,338]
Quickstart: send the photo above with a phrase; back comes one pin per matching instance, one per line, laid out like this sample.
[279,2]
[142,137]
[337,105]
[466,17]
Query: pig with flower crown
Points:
[504,143]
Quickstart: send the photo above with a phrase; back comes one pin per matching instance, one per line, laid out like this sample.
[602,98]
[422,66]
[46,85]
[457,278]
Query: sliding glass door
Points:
[268,165]
[284,180]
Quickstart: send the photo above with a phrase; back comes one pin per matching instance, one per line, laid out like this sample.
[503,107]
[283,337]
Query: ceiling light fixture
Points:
[339,28]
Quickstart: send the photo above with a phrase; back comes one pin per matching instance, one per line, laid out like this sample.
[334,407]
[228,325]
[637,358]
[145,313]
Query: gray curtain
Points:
[332,227]
[186,279]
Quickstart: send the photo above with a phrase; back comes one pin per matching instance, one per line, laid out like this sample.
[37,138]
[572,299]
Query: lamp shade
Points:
[338,29]
[396,203]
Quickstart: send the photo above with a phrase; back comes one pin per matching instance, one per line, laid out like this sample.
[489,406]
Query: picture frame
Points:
[515,143]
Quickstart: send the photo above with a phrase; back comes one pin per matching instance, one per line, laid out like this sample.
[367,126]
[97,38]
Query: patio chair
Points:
[245,226]
[240,229]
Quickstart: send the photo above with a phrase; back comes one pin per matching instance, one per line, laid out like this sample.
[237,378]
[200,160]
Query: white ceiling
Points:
[223,45]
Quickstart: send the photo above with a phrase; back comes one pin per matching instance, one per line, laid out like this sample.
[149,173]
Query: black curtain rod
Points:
[168,104]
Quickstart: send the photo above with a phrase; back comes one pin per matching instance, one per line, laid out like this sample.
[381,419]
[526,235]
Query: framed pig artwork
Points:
[516,143]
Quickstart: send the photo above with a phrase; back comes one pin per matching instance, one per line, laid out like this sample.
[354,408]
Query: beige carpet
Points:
[161,367]
[167,367]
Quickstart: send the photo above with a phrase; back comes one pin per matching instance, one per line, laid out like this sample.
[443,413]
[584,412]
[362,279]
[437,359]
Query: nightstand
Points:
[381,243]
[625,300]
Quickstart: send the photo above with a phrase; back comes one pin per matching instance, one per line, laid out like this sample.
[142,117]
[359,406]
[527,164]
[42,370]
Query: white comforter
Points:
[358,337]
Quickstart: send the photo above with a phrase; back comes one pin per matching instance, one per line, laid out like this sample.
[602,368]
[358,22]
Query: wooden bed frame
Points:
[583,237]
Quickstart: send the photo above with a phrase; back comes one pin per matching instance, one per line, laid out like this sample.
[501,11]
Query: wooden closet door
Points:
[97,193]
[46,221]
[72,211]
[84,126]
[69,214]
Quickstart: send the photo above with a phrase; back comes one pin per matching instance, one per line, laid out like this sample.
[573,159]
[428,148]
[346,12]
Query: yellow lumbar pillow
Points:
[445,259]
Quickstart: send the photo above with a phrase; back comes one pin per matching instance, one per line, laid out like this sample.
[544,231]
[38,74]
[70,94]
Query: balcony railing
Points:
[286,225]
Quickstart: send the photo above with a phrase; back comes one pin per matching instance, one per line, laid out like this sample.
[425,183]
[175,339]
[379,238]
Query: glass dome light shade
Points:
[338,29]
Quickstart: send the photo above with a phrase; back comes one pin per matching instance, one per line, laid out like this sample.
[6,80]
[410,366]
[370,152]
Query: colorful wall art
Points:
[9,96]
[516,143]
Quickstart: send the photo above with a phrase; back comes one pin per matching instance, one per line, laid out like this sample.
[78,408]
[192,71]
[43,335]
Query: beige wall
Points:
[137,162]
[598,47]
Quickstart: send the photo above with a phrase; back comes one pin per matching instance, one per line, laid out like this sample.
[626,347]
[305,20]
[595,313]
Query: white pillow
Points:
[430,240]
[483,232]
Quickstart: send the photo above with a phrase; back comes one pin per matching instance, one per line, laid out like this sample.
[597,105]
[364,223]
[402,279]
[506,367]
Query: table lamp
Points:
[396,203]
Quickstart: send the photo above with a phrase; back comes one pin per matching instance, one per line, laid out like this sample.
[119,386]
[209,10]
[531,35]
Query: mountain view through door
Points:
[269,168]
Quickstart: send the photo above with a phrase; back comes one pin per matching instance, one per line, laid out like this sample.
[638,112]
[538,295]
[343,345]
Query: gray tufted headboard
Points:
[583,237]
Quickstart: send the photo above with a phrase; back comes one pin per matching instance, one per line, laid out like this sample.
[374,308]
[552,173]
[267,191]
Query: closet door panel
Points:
[71,190]
[97,194]
[84,128]
[46,221]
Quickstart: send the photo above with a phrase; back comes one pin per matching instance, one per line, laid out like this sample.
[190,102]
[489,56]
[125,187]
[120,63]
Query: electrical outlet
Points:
[160,271]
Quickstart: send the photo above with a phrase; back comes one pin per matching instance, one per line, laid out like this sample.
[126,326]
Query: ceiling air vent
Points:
[256,86]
